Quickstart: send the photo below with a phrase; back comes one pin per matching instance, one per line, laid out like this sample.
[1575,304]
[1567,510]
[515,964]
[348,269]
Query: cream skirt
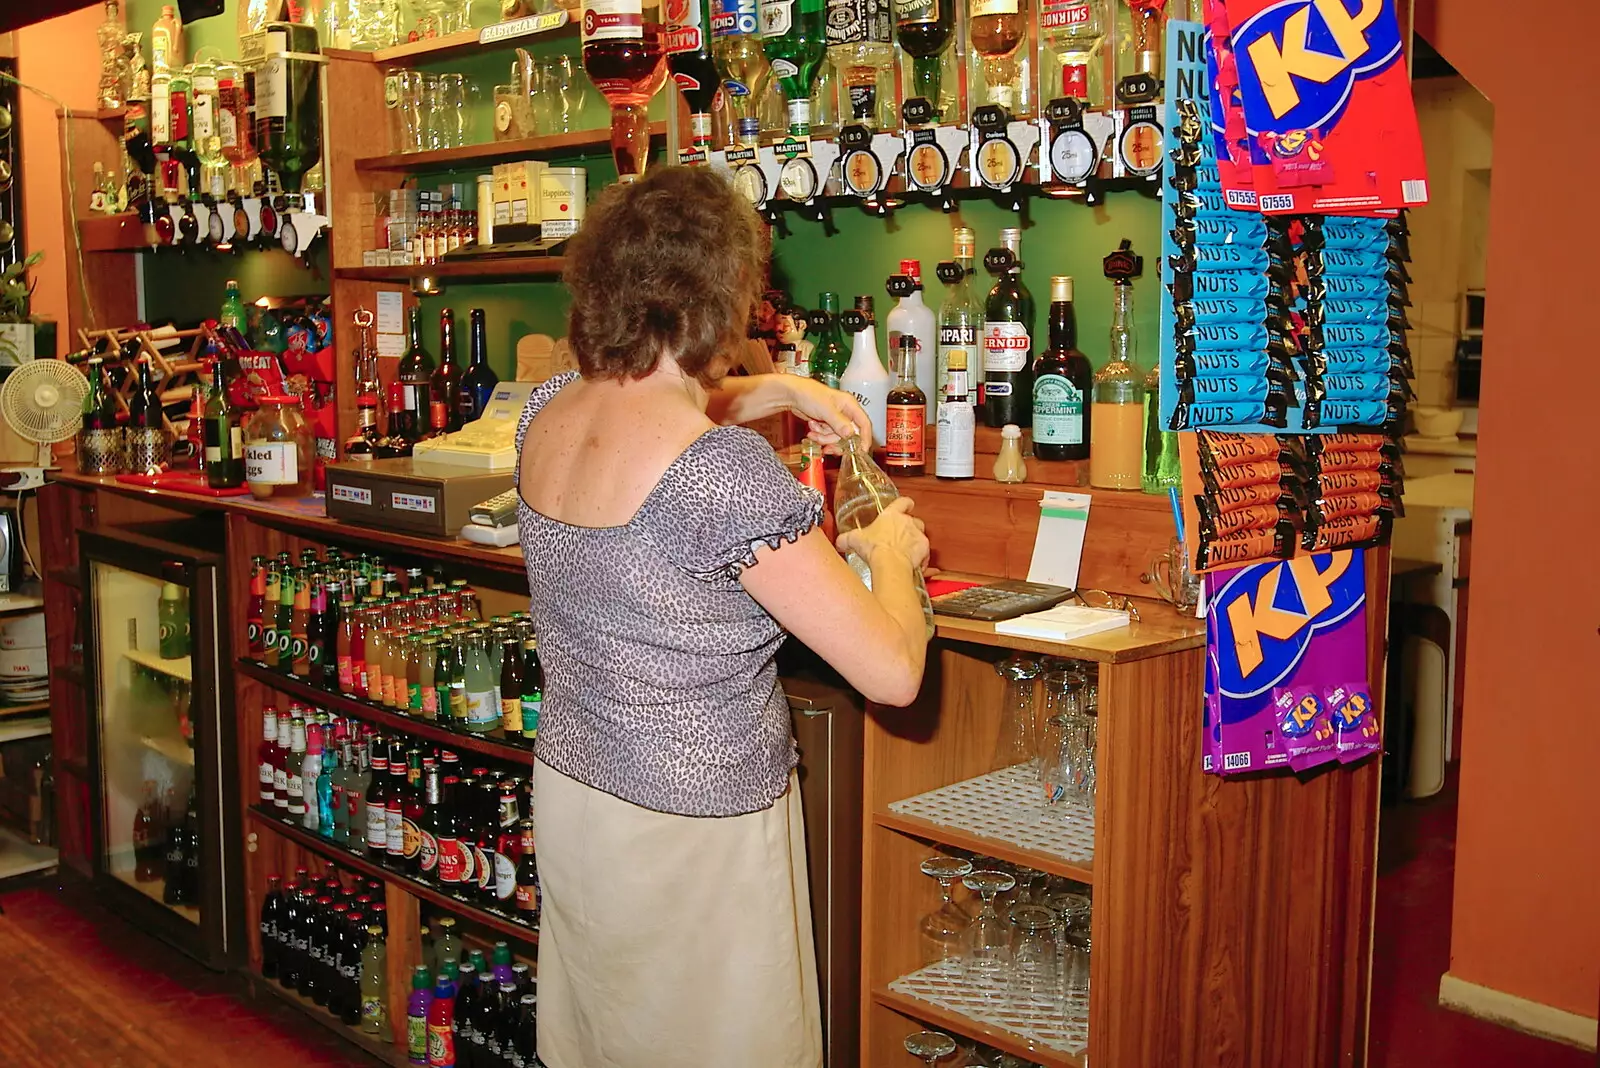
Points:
[672,941]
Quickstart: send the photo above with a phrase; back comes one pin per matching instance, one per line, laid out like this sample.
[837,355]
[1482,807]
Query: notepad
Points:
[1063,623]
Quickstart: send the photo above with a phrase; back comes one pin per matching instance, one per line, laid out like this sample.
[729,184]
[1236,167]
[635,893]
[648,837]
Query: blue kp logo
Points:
[1302,58]
[1266,615]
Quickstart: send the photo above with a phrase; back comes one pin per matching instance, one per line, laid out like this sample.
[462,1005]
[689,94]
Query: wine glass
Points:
[942,928]
[1018,742]
[931,1046]
[988,938]
[1072,942]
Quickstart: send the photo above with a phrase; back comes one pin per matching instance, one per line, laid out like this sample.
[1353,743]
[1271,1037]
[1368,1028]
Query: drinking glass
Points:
[454,111]
[1060,766]
[988,938]
[1018,742]
[558,96]
[394,108]
[413,111]
[931,1046]
[942,928]
[1072,913]
[1173,580]
[432,112]
[1034,970]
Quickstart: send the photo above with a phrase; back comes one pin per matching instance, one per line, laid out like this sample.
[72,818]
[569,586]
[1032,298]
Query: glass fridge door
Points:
[151,829]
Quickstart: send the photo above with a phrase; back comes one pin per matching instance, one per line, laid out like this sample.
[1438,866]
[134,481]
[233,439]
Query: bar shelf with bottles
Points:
[325,948]
[216,153]
[455,834]
[395,648]
[1001,97]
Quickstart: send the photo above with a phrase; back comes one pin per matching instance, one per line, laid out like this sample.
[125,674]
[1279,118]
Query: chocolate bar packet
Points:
[1353,443]
[1192,413]
[1277,544]
[1226,362]
[1304,727]
[1248,473]
[1362,386]
[1219,449]
[1347,533]
[1238,497]
[1357,731]
[1256,517]
[1235,229]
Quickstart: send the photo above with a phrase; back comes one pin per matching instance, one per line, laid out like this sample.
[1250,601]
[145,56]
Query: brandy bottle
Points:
[623,55]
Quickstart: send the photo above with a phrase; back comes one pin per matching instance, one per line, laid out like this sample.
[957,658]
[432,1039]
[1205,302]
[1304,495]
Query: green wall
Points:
[1059,237]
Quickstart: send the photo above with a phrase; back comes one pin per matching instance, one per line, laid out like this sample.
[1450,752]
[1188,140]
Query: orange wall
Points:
[60,57]
[1527,893]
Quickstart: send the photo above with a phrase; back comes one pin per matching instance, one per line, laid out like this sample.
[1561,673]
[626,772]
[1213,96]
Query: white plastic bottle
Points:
[865,376]
[911,316]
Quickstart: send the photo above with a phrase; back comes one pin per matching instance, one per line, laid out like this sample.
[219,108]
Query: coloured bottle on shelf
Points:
[418,1003]
[268,922]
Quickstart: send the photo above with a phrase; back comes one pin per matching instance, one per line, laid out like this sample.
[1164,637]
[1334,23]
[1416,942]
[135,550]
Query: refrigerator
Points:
[163,752]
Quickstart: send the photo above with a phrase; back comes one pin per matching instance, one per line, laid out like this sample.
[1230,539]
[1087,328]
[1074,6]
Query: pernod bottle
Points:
[1007,337]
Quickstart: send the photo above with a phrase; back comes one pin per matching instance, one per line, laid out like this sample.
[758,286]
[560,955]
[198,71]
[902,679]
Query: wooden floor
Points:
[82,987]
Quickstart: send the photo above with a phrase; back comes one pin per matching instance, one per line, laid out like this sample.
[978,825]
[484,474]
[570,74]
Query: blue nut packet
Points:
[1227,309]
[1229,335]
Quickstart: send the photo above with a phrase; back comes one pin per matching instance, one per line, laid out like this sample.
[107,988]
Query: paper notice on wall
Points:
[391,312]
[391,345]
[1058,547]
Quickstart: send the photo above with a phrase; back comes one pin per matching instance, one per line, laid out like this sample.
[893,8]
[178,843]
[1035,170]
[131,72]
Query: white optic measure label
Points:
[412,502]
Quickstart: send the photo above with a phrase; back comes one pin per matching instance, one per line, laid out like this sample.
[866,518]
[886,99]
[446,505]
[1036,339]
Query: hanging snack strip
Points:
[1357,362]
[1233,361]
[1276,496]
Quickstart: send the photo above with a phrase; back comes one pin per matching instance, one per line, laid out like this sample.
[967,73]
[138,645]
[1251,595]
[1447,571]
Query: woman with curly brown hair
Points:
[669,554]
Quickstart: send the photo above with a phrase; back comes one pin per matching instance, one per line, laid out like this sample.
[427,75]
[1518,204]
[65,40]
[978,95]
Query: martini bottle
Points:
[794,34]
[741,62]
[688,45]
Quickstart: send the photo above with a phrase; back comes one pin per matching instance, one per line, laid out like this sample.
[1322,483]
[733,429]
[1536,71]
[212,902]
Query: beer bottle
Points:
[330,630]
[286,588]
[412,814]
[395,813]
[271,917]
[427,648]
[300,625]
[527,895]
[532,688]
[377,806]
[428,843]
[510,685]
[452,861]
[507,848]
[256,606]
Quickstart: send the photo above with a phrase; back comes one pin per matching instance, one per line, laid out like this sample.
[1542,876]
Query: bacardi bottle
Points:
[741,62]
[795,37]
[688,44]
[624,58]
[1007,337]
[861,49]
[1073,30]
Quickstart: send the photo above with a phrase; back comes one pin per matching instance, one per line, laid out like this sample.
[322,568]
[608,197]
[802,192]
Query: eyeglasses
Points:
[1102,599]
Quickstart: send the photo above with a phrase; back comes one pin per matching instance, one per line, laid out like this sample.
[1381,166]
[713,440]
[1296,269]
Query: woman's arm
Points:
[877,639]
[832,415]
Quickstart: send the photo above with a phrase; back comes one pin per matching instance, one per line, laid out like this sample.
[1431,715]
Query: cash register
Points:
[434,490]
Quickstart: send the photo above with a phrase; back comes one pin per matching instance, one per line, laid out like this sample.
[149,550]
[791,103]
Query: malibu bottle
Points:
[1063,384]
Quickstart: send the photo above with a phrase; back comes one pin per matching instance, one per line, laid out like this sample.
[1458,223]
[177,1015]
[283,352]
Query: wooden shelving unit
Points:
[414,53]
[550,146]
[505,269]
[493,744]
[361,863]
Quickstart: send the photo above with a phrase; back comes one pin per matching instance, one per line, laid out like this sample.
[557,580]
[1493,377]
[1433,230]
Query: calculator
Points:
[1005,599]
[498,511]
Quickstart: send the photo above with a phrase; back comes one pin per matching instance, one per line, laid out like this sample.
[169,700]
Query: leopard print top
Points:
[661,685]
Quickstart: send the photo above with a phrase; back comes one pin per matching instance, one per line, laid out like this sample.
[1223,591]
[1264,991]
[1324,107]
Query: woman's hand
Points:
[896,530]
[831,415]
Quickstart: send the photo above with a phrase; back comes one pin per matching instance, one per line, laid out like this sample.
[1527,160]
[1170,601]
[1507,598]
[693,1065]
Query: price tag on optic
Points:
[412,502]
[352,494]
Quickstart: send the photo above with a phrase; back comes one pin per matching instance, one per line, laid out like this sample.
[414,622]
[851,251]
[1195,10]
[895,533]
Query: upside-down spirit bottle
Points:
[735,26]
[794,35]
[624,58]
[996,29]
[1073,30]
[688,46]
[288,106]
[861,48]
[925,29]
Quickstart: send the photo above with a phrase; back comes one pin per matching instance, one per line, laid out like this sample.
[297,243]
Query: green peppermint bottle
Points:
[829,359]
